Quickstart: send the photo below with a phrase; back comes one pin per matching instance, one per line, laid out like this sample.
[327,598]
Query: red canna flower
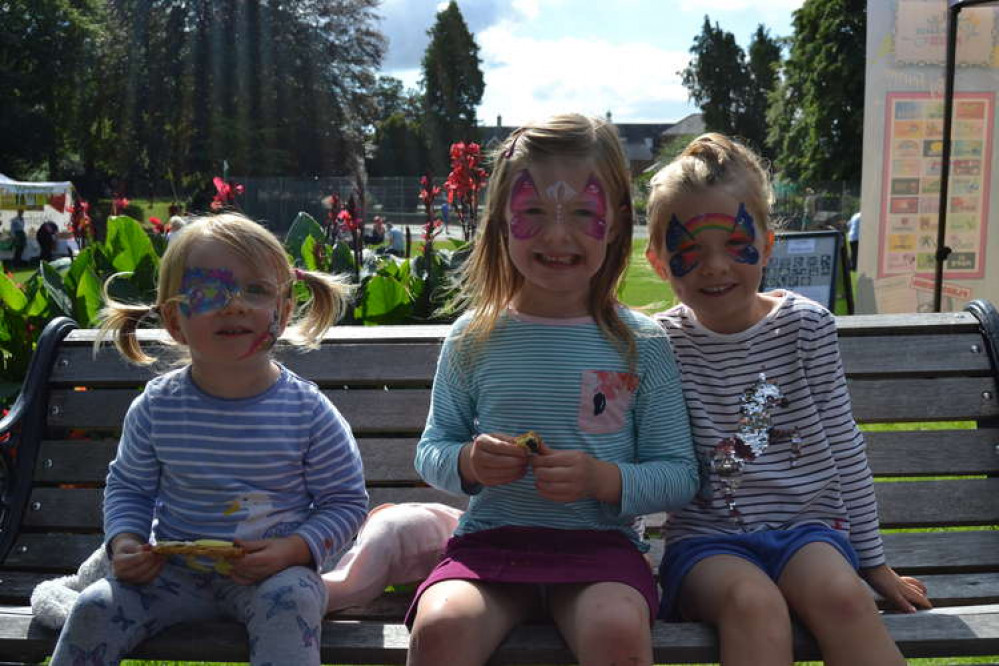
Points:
[159,227]
[464,182]
[225,193]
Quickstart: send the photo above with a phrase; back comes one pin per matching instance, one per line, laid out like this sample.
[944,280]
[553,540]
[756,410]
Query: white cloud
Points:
[532,78]
[707,6]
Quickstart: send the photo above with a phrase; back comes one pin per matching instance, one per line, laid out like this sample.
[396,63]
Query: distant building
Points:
[641,141]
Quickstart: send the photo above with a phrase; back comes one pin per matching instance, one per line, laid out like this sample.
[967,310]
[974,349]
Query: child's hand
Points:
[133,560]
[568,476]
[493,460]
[266,557]
[903,592]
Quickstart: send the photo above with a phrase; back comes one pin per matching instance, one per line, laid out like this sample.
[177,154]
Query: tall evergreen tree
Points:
[762,70]
[716,77]
[452,85]
[817,111]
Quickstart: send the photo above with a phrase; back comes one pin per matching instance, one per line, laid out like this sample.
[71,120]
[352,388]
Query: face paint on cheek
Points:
[204,291]
[594,195]
[267,339]
[680,244]
[522,195]
[744,233]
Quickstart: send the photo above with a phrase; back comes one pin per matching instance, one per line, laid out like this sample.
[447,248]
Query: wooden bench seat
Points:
[932,368]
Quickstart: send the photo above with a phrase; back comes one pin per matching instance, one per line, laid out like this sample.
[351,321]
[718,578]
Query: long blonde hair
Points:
[489,280]
[711,160]
[258,247]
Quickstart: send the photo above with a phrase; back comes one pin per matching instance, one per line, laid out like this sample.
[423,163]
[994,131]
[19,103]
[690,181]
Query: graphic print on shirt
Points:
[605,398]
[755,432]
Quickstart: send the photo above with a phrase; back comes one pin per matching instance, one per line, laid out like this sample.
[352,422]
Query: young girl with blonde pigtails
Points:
[547,351]
[230,447]
[786,517]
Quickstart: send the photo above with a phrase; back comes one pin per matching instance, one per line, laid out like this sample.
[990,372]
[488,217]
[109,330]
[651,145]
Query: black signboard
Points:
[806,262]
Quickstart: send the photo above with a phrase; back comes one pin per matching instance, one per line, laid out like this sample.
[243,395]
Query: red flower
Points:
[158,226]
[225,193]
[118,204]
[464,182]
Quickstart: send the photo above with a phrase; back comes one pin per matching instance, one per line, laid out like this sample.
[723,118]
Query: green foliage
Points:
[452,85]
[731,90]
[816,113]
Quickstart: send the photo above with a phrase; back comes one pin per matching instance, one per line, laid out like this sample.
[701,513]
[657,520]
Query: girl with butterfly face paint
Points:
[786,515]
[546,347]
[232,446]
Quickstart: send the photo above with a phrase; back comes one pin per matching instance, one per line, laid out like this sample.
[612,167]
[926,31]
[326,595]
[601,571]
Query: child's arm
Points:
[266,557]
[334,479]
[132,486]
[827,381]
[132,559]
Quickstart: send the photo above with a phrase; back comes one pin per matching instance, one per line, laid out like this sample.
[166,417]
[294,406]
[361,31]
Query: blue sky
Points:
[544,56]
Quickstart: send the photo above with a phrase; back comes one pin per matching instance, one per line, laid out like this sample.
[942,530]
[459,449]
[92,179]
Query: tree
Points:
[452,85]
[399,142]
[817,111]
[731,91]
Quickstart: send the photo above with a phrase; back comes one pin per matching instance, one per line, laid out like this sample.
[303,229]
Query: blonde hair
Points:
[489,281]
[711,160]
[258,247]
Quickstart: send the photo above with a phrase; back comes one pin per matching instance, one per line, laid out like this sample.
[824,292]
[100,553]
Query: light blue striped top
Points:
[566,381]
[193,466]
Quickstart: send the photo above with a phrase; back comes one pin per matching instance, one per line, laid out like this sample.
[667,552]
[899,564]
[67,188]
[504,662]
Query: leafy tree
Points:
[817,111]
[731,90]
[452,85]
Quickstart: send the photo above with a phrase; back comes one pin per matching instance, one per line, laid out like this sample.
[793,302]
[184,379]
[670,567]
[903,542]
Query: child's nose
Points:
[714,261]
[236,303]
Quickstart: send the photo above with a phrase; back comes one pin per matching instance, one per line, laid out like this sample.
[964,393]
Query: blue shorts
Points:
[770,550]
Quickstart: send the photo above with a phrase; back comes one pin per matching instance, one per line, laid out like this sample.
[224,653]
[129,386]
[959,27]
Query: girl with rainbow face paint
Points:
[786,517]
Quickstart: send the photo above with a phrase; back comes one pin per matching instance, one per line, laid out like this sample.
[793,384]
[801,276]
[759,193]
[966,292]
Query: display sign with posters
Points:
[911,199]
[805,262]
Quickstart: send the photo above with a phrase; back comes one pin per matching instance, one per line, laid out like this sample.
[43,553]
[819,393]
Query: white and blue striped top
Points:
[194,466]
[823,479]
[566,381]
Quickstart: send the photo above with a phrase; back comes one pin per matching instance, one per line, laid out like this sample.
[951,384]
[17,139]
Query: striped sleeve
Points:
[664,475]
[824,368]
[334,478]
[133,477]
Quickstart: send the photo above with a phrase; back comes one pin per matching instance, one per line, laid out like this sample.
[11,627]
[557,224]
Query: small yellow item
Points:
[529,440]
[211,548]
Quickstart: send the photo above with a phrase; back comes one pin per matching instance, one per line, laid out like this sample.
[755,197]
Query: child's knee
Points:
[843,598]
[754,601]
[299,590]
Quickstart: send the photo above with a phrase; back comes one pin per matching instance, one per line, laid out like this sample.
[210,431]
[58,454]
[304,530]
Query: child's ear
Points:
[171,322]
[768,246]
[287,305]
[657,264]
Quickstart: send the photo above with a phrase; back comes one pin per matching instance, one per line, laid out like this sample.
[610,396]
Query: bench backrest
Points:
[930,369]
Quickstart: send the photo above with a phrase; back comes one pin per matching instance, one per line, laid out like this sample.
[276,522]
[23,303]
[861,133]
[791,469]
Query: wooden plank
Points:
[938,503]
[84,337]
[53,552]
[937,633]
[951,552]
[369,411]
[933,452]
[945,398]
[355,364]
[906,324]
[953,354]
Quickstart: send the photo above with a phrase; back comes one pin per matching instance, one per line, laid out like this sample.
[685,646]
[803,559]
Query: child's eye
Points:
[259,289]
[583,212]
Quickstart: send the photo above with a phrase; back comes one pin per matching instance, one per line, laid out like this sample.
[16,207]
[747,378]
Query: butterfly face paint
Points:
[584,211]
[685,253]
[203,291]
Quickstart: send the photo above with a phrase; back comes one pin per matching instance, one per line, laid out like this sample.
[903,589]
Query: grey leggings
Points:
[282,614]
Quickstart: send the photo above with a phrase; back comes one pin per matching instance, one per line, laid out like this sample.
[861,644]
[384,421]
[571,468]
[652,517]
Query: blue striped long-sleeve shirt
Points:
[192,466]
[566,381]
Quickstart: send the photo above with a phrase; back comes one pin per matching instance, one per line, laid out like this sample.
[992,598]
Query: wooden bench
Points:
[935,368]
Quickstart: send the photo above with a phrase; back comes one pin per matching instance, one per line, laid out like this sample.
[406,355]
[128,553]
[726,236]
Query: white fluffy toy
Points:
[51,600]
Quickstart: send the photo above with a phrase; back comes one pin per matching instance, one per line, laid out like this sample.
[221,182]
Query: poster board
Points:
[806,262]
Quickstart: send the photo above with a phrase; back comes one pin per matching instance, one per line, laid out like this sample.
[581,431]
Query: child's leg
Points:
[110,617]
[834,603]
[754,626]
[603,623]
[283,615]
[461,622]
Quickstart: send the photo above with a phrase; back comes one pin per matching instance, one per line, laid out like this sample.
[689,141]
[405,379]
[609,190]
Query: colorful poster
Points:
[912,168]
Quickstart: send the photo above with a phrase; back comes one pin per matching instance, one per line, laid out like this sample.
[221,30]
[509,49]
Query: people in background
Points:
[20,237]
[396,240]
[853,238]
[46,237]
[377,234]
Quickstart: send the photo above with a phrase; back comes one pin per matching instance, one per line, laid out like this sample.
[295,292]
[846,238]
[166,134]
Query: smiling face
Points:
[558,225]
[713,257]
[227,314]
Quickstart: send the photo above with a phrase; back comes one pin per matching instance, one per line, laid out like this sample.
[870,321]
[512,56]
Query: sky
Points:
[592,56]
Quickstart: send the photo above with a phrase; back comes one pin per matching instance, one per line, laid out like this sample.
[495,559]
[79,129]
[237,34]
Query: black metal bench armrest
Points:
[21,431]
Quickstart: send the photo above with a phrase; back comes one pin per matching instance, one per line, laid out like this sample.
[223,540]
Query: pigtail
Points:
[330,299]
[120,321]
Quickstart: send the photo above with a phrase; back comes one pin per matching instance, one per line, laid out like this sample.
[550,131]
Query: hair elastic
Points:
[508,153]
[299,274]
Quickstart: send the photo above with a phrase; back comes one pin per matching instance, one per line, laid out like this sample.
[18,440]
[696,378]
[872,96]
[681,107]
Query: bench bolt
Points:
[976,349]
[987,395]
[36,505]
[63,362]
[47,463]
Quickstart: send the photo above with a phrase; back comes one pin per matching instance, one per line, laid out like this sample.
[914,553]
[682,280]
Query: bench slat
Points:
[915,355]
[945,398]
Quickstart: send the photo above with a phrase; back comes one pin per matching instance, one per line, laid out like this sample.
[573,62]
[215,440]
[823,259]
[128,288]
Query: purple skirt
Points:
[543,556]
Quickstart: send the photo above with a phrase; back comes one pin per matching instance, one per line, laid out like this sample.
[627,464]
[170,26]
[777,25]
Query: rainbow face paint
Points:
[203,291]
[530,211]
[686,254]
